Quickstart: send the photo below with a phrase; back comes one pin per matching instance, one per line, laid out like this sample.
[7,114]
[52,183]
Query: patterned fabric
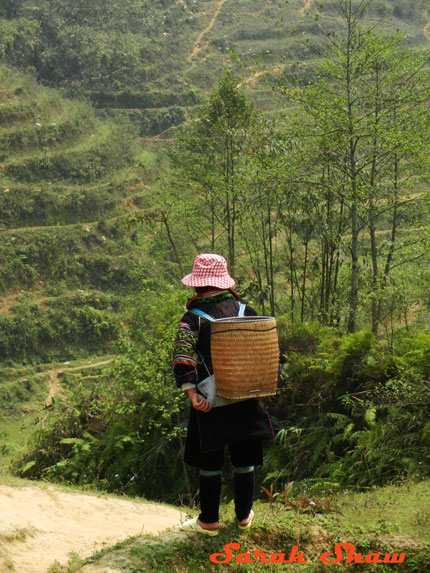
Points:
[185,346]
[209,270]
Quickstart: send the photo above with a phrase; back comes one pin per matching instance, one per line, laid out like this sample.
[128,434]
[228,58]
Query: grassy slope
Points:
[390,519]
[26,398]
[67,182]
[259,39]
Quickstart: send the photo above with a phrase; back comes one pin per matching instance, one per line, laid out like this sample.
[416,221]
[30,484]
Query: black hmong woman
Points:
[241,426]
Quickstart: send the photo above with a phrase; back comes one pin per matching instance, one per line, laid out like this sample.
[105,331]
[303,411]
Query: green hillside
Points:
[135,134]
[156,59]
[67,181]
[69,260]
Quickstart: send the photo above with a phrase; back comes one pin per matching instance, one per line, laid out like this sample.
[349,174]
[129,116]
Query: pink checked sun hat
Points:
[209,270]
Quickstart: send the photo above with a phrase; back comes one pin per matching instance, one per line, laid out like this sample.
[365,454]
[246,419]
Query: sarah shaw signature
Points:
[298,557]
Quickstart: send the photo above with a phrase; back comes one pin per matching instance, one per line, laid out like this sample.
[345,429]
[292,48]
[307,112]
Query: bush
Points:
[350,412]
[124,430]
[60,330]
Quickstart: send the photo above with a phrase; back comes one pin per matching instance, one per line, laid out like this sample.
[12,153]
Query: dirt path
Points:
[426,30]
[253,78]
[197,44]
[43,524]
[306,7]
[54,383]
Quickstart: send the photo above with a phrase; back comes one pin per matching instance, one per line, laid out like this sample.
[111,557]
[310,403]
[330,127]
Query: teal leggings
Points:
[240,470]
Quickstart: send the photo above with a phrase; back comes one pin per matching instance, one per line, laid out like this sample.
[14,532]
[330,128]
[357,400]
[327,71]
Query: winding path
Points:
[306,7]
[54,383]
[197,44]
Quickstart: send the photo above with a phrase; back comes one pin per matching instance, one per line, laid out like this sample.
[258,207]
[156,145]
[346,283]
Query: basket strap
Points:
[202,314]
[199,312]
[241,312]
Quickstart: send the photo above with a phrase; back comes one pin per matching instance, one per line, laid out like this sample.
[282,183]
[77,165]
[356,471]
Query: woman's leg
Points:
[210,497]
[244,456]
[210,465]
[244,483]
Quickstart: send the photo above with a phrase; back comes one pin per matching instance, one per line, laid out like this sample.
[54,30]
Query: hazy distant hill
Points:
[156,58]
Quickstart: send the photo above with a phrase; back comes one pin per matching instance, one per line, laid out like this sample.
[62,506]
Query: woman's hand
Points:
[198,401]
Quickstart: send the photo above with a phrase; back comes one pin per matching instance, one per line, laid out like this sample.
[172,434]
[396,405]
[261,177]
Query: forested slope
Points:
[156,59]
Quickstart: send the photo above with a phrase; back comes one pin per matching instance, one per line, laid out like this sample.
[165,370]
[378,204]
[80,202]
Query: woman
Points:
[241,426]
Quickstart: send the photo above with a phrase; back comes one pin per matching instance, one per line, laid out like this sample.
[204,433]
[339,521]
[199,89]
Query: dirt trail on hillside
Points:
[426,30]
[254,77]
[306,7]
[54,382]
[197,43]
[40,525]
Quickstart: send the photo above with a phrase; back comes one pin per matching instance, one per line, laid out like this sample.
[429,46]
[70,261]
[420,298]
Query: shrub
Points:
[350,412]
[124,430]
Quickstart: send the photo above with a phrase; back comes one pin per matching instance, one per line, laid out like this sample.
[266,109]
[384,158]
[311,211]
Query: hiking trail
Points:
[197,44]
[54,383]
[308,5]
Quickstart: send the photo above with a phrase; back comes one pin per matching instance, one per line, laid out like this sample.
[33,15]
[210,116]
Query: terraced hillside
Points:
[67,181]
[155,59]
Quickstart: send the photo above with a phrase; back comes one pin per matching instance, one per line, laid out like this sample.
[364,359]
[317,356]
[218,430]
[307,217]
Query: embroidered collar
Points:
[211,296]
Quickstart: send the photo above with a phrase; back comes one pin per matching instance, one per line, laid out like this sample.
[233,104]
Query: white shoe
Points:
[192,526]
[248,525]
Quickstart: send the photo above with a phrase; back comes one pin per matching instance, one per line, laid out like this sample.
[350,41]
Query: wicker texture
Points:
[245,356]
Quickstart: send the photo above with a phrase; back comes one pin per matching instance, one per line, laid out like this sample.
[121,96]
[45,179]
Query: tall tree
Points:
[358,107]
[211,154]
[266,171]
[398,91]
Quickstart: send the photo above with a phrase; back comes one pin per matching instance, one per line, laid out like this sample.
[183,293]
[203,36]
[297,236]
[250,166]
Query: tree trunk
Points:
[305,268]
[165,220]
[353,298]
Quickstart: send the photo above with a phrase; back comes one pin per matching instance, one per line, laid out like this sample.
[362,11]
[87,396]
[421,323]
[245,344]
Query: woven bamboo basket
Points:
[245,356]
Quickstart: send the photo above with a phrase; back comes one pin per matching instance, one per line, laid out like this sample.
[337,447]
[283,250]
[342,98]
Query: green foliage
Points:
[102,258]
[124,430]
[107,50]
[208,160]
[60,329]
[352,412]
[19,39]
[50,204]
[112,148]
[414,351]
[137,54]
[13,394]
